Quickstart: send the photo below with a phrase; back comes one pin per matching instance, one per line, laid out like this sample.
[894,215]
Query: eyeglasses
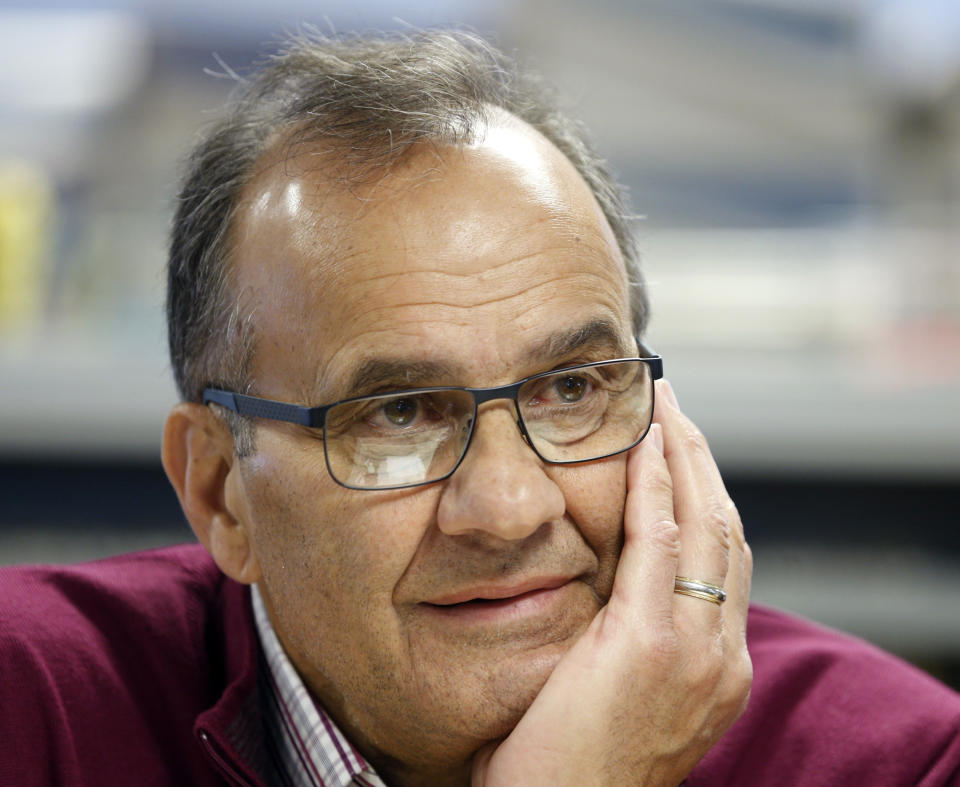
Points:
[419,436]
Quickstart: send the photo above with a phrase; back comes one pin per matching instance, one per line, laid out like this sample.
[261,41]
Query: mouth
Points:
[500,603]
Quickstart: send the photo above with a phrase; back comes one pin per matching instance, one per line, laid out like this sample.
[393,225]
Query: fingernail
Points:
[656,432]
[668,393]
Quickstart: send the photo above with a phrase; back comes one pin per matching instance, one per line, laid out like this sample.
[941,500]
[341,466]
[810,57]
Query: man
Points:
[466,534]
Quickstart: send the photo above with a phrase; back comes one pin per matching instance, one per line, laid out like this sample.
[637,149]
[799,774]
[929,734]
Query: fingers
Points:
[712,547]
[648,561]
[700,497]
[680,521]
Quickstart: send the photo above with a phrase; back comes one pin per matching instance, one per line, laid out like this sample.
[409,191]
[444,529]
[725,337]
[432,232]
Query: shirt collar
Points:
[305,744]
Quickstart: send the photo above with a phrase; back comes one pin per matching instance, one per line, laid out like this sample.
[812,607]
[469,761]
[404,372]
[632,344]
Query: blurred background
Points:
[796,164]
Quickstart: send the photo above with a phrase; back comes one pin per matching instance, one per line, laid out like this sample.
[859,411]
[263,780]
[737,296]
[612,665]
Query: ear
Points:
[199,459]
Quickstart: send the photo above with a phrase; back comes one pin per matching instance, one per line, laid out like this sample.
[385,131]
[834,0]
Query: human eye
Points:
[403,412]
[373,415]
[572,387]
[567,388]
[581,411]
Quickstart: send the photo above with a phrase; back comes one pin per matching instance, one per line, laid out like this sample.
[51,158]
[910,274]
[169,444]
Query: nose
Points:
[500,488]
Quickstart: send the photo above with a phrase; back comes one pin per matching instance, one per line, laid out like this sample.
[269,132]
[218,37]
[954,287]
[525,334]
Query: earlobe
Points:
[199,460]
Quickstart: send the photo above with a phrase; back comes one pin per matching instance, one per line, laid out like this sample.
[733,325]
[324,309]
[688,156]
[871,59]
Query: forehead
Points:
[465,256]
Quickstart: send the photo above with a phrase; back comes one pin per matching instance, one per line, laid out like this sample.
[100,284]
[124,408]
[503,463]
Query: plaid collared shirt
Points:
[305,746]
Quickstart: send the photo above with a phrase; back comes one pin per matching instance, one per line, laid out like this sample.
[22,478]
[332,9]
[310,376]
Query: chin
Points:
[511,688]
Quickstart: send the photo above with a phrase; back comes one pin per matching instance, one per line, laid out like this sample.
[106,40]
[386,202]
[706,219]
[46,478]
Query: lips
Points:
[497,592]
[536,611]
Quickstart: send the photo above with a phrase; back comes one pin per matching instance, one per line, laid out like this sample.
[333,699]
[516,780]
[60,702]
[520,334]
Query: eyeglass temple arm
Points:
[656,362]
[223,398]
[264,408]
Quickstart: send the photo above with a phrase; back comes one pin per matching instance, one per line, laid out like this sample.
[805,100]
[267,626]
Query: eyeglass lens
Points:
[573,415]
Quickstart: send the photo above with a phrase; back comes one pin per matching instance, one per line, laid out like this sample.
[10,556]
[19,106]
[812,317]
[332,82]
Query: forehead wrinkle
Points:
[333,261]
[577,243]
[542,290]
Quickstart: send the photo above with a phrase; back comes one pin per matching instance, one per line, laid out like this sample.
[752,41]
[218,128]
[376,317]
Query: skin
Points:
[479,260]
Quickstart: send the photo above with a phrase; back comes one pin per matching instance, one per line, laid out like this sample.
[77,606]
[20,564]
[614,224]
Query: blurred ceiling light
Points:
[70,61]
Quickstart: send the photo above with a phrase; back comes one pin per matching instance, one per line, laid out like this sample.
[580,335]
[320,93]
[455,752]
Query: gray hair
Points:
[368,100]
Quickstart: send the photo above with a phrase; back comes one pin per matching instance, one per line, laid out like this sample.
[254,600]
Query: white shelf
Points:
[817,413]
[62,400]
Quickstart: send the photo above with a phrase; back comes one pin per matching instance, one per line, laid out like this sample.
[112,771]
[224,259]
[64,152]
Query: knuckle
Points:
[739,684]
[747,558]
[732,511]
[693,440]
[716,520]
[736,523]
[707,671]
[664,535]
[741,671]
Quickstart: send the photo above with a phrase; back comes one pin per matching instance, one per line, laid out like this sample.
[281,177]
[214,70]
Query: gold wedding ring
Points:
[697,589]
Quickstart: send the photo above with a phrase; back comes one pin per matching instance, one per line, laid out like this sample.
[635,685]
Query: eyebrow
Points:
[593,335]
[374,373]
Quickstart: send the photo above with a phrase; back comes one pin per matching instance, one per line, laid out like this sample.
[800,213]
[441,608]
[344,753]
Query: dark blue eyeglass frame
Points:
[315,417]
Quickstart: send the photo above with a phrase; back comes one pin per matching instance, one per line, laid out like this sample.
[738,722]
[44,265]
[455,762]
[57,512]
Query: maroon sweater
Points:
[142,670]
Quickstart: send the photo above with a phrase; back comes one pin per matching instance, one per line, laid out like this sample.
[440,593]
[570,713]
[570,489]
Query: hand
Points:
[658,677]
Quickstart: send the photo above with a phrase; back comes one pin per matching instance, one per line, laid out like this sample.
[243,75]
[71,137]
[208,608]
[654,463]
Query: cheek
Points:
[322,545]
[290,509]
[595,494]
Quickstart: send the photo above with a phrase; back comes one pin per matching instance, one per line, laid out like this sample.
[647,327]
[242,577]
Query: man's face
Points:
[470,266]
